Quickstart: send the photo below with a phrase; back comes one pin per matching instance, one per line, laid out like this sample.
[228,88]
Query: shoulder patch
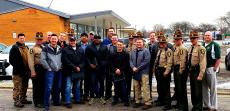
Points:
[31,51]
[181,52]
[169,54]
[202,51]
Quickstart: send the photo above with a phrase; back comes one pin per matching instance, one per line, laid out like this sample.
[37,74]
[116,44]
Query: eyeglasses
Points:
[207,35]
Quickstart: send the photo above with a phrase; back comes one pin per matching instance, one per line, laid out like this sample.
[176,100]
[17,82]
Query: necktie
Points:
[137,56]
[190,56]
[158,58]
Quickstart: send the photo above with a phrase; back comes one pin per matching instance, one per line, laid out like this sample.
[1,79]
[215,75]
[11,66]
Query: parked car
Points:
[5,67]
[2,46]
[226,41]
[227,59]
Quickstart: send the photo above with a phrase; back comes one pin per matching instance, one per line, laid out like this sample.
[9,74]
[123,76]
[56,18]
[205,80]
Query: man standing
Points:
[213,54]
[18,58]
[152,46]
[51,61]
[162,69]
[112,49]
[97,55]
[87,77]
[196,67]
[73,62]
[139,62]
[37,71]
[107,40]
[61,41]
[180,74]
[48,36]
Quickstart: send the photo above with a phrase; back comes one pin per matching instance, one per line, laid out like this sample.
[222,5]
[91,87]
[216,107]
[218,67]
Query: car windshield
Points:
[7,50]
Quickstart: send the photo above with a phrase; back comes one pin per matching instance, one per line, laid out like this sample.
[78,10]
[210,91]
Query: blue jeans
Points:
[52,83]
[97,83]
[120,90]
[76,90]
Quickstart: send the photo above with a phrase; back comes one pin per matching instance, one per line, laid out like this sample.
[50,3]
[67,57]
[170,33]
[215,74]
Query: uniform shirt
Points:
[198,57]
[130,47]
[34,56]
[165,56]
[180,57]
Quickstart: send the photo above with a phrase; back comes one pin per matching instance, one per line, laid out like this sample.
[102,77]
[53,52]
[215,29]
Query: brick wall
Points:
[29,21]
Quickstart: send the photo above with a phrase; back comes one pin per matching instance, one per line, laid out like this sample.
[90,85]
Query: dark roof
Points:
[14,5]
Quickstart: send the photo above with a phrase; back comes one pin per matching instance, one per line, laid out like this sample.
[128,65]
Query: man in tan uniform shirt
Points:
[179,69]
[37,71]
[196,66]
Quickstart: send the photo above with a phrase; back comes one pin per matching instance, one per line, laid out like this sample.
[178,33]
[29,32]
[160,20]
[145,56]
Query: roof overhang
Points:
[104,19]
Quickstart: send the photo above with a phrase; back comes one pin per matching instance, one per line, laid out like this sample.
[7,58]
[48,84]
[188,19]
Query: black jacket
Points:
[16,60]
[98,57]
[73,58]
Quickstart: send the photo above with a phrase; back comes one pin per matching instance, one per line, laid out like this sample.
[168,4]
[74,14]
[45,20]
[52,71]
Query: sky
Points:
[146,13]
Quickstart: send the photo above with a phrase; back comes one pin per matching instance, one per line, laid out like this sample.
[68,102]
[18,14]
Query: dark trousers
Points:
[128,80]
[180,81]
[108,84]
[120,91]
[150,80]
[87,82]
[63,86]
[196,90]
[163,87]
[97,83]
[38,85]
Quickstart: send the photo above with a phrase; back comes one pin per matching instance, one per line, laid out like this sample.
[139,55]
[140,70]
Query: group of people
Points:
[89,67]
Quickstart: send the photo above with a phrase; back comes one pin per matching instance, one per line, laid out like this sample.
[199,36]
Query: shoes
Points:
[137,105]
[176,106]
[68,105]
[166,108]
[91,101]
[39,106]
[18,104]
[46,108]
[26,102]
[102,100]
[86,98]
[207,108]
[145,107]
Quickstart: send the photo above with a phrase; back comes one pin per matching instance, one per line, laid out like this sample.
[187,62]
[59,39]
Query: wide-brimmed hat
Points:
[39,35]
[177,34]
[194,34]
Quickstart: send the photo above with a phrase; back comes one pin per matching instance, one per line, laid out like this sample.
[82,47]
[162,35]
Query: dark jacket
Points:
[98,57]
[119,60]
[16,60]
[141,62]
[62,45]
[73,58]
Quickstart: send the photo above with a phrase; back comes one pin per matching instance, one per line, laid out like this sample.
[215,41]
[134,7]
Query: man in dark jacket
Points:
[21,73]
[97,58]
[73,62]
[119,62]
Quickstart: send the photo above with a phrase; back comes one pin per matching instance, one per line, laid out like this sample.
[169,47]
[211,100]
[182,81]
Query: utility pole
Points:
[50,3]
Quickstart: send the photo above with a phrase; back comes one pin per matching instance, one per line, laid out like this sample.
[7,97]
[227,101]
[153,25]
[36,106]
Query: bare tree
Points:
[184,26]
[203,27]
[223,23]
[158,27]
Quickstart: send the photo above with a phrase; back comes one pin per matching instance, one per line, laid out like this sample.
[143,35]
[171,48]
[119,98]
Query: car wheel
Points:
[227,64]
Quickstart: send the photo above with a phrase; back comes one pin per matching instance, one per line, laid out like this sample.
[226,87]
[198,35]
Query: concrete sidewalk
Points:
[6,104]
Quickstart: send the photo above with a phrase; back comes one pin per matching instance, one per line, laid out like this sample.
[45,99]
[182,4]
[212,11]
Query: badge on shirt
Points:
[181,52]
[169,54]
[31,51]
[202,51]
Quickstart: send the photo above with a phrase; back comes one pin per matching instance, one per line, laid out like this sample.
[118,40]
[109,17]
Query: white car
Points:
[4,56]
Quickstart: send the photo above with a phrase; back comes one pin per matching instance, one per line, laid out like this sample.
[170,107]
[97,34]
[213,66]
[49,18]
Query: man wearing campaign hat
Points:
[180,74]
[196,66]
[37,71]
[162,68]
